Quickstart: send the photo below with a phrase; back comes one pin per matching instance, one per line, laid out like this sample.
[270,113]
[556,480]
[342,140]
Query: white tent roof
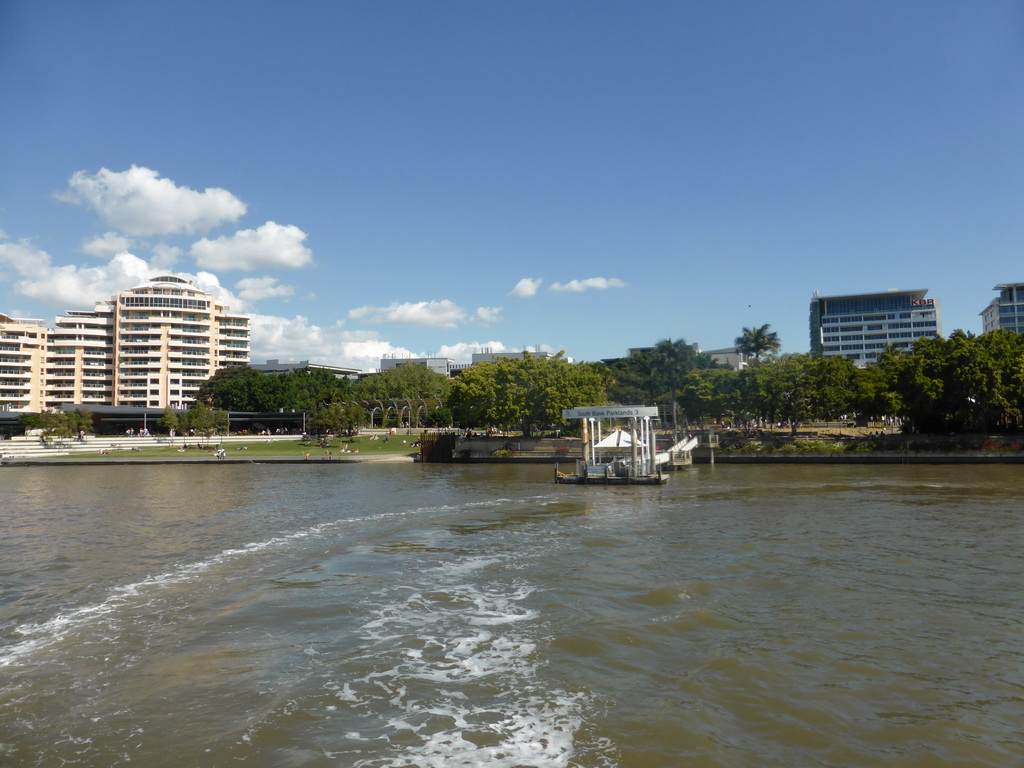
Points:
[618,439]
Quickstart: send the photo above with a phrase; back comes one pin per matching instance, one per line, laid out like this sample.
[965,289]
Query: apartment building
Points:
[170,337]
[1006,310]
[859,326]
[80,358]
[152,345]
[22,363]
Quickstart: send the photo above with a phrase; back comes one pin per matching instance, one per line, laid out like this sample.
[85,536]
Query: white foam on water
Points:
[450,676]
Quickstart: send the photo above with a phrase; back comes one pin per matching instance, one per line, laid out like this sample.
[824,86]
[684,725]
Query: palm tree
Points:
[754,342]
[670,361]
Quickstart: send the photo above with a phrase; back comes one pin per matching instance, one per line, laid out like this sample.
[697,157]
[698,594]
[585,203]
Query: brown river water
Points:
[408,615]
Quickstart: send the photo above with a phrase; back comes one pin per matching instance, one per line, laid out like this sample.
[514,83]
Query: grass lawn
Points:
[277,448]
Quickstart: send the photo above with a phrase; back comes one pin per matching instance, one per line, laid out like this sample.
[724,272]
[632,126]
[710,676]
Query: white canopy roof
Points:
[618,439]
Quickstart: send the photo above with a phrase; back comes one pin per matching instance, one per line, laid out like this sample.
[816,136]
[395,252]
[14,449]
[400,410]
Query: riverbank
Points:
[849,457]
[733,449]
[768,448]
[106,461]
[236,449]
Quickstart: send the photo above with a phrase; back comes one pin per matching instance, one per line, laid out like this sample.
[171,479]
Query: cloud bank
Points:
[256,288]
[526,287]
[107,245]
[271,246]
[444,314]
[138,202]
[591,283]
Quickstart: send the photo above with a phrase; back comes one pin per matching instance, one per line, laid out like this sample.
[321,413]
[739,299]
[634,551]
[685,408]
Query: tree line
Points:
[939,385]
[963,383]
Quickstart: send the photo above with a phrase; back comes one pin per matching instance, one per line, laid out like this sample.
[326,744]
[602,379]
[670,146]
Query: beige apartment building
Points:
[22,361]
[152,345]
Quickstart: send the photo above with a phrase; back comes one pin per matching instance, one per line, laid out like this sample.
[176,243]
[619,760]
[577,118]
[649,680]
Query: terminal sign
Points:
[610,412]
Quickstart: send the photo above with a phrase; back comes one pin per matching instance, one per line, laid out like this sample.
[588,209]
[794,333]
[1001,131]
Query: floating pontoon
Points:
[620,457]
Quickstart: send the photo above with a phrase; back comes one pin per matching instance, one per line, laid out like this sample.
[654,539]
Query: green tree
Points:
[832,387]
[707,393]
[670,361]
[440,417]
[779,389]
[59,423]
[235,389]
[169,420]
[241,388]
[404,382]
[308,386]
[204,420]
[473,394]
[630,380]
[755,342]
[527,393]
[335,418]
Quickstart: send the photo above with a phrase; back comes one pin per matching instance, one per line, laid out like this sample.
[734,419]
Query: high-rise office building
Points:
[859,326]
[1006,310]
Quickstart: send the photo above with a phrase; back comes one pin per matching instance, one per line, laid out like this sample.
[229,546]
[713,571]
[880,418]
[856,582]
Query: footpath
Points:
[114,450]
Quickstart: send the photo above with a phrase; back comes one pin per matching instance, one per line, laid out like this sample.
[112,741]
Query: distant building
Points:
[149,346]
[286,366]
[1006,310]
[22,363]
[442,365]
[730,357]
[485,355]
[859,326]
[449,367]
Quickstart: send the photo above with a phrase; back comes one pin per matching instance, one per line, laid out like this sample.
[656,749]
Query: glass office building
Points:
[1006,310]
[860,326]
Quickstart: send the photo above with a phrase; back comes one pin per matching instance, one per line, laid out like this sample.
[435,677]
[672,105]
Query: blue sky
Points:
[371,178]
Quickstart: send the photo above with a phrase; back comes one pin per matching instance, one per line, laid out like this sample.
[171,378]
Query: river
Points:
[386,616]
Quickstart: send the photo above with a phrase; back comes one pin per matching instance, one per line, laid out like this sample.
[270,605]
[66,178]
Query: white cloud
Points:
[73,287]
[256,288]
[140,203]
[22,257]
[526,287]
[107,245]
[462,352]
[268,247]
[165,256]
[487,315]
[296,339]
[597,283]
[436,314]
[209,282]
